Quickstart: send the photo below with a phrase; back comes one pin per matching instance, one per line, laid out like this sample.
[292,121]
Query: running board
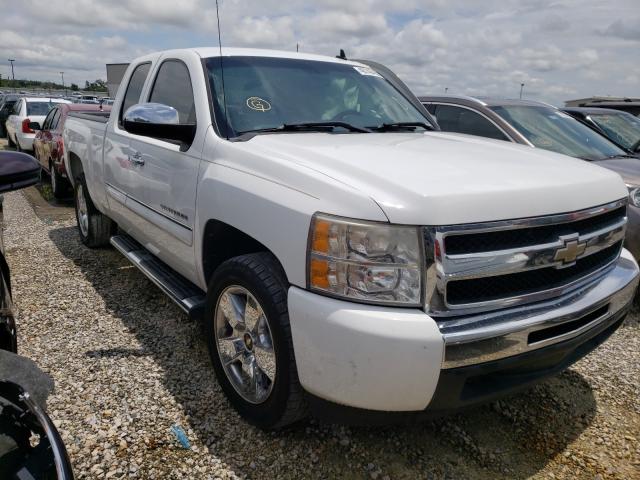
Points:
[184,293]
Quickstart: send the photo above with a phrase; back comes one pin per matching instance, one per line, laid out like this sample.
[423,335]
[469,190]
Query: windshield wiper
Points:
[397,126]
[622,155]
[309,127]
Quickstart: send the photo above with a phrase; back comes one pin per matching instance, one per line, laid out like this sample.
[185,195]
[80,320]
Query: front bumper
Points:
[402,360]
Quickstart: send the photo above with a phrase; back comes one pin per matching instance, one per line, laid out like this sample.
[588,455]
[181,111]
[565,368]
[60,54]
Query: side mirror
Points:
[157,121]
[34,126]
[17,170]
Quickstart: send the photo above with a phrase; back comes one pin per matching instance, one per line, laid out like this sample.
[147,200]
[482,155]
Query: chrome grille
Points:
[483,267]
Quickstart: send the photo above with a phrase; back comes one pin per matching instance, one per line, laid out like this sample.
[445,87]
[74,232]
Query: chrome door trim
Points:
[166,223]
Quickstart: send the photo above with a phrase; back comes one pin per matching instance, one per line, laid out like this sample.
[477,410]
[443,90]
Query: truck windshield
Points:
[622,127]
[548,128]
[269,93]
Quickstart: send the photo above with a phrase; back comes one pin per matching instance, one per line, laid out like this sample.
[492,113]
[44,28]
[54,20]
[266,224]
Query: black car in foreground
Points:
[30,445]
[540,125]
[620,127]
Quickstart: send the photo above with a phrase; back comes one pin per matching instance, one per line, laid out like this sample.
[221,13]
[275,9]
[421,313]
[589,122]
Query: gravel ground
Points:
[128,365]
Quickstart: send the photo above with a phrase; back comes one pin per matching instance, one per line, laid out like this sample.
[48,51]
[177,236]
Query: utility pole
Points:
[65,88]
[13,75]
[446,89]
[521,88]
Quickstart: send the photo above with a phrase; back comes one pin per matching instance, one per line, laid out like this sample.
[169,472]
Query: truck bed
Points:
[102,117]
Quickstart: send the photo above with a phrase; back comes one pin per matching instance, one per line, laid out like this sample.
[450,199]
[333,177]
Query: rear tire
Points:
[95,228]
[11,142]
[262,382]
[59,185]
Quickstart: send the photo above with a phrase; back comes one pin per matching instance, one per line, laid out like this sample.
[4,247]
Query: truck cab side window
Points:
[173,88]
[134,89]
[463,120]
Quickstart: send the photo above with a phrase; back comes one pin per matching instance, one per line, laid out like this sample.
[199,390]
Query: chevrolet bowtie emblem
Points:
[571,250]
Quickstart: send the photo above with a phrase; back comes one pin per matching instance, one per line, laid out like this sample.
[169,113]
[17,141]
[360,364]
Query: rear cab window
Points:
[134,89]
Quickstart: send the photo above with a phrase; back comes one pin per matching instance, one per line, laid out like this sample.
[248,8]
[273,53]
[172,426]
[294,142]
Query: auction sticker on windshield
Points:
[259,104]
[367,71]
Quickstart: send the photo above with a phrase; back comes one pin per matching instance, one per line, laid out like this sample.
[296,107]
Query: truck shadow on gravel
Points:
[512,438]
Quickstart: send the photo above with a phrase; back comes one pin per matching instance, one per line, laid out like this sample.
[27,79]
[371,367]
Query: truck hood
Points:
[438,178]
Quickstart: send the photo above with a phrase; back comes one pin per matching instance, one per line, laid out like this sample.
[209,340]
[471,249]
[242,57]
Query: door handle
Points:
[136,158]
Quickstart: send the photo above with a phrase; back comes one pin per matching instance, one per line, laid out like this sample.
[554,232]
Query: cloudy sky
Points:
[559,49]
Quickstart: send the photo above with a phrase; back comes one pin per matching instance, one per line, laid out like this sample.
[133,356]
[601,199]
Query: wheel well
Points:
[76,166]
[221,242]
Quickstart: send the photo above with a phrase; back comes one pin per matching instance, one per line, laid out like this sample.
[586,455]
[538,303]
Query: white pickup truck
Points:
[345,256]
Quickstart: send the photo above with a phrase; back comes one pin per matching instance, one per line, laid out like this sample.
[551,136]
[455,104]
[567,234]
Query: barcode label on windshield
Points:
[367,71]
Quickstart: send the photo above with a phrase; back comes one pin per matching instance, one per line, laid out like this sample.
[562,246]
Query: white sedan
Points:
[25,111]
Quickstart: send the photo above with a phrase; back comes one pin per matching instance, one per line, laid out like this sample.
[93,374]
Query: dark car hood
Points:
[627,168]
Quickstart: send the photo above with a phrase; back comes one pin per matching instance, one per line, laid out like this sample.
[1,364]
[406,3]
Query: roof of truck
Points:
[206,52]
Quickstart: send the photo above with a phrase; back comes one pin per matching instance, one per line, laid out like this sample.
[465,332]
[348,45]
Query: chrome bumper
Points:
[481,338]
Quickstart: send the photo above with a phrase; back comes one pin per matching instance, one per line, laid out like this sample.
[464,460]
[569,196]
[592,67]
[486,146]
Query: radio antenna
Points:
[224,96]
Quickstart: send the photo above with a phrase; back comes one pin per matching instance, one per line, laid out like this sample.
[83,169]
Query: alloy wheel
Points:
[83,211]
[245,344]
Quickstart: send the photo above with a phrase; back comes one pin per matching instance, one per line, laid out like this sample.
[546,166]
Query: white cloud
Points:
[557,48]
[349,24]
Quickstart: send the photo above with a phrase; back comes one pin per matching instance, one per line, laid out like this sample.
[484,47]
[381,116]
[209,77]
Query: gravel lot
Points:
[128,365]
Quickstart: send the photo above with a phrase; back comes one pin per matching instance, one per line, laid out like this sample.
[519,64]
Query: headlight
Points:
[634,196]
[364,261]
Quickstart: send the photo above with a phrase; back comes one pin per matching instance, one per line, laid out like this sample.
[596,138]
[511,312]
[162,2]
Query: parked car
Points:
[542,126]
[342,252]
[28,112]
[620,127]
[30,445]
[629,106]
[6,107]
[48,144]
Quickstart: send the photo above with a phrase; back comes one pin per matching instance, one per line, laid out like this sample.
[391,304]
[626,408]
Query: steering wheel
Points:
[346,113]
[636,146]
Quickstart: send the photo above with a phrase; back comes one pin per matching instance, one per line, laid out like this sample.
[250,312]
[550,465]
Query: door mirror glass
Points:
[158,121]
[17,170]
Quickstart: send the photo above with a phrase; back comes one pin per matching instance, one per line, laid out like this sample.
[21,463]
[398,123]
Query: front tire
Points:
[95,228]
[249,338]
